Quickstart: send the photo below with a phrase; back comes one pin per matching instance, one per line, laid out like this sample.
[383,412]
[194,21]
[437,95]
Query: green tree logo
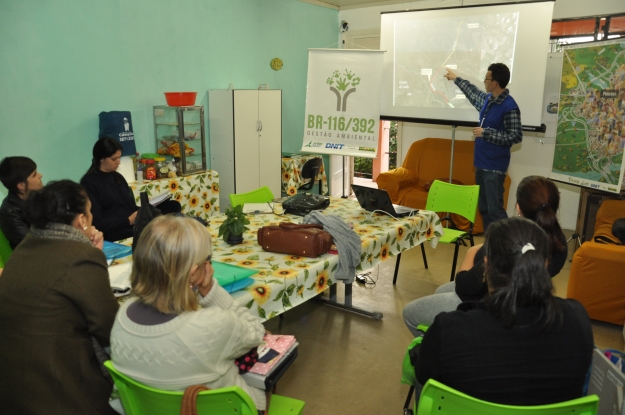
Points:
[343,81]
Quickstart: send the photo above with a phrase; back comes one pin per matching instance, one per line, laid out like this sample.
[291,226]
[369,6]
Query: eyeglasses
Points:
[488,79]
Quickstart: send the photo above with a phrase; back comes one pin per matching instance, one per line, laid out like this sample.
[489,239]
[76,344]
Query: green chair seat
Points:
[451,236]
[140,399]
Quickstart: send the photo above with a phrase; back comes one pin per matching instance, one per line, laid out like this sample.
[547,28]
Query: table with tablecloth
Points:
[198,193]
[285,281]
[292,173]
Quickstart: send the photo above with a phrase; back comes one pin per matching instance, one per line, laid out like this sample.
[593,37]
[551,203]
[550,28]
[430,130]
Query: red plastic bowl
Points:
[180,99]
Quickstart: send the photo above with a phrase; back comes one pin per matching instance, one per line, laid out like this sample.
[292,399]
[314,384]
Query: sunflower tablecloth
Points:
[292,173]
[198,193]
[285,281]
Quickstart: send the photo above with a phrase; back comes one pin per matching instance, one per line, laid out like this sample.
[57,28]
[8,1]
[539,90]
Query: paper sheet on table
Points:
[257,208]
[157,200]
[119,276]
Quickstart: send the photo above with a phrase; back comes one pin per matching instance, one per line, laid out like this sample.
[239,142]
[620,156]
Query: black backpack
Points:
[145,214]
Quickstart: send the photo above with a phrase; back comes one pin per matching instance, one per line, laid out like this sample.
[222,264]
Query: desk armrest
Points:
[393,180]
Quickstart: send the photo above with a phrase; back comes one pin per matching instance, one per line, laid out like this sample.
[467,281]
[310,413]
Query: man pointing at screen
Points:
[500,128]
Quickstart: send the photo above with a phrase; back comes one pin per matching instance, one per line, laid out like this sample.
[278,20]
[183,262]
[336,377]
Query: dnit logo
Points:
[336,146]
[343,81]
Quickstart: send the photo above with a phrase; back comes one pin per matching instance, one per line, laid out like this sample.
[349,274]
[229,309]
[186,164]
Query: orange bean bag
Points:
[597,277]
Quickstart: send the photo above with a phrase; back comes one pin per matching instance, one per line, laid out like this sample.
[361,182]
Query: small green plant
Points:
[235,222]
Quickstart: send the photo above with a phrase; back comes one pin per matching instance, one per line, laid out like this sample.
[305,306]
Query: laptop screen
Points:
[372,199]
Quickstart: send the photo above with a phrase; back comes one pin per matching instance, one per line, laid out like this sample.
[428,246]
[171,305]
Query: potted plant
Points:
[233,227]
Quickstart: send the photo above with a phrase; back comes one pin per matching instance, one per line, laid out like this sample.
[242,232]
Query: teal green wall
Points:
[62,62]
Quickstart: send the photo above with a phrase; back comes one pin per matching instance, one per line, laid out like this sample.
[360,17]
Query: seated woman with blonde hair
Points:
[183,329]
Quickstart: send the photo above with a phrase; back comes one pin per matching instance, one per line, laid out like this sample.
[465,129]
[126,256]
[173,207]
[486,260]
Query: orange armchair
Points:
[428,159]
[597,277]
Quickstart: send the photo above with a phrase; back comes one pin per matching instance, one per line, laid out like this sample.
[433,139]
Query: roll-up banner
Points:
[343,95]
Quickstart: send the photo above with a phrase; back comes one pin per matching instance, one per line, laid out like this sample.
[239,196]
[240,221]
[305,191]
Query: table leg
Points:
[376,315]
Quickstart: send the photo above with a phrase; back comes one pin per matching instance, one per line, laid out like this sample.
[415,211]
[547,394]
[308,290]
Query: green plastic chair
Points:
[453,198]
[5,250]
[139,399]
[255,196]
[408,376]
[439,399]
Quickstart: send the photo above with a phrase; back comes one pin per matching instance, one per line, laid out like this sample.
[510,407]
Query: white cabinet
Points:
[245,140]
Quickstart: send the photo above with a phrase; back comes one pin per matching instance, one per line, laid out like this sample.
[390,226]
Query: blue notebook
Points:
[239,285]
[116,251]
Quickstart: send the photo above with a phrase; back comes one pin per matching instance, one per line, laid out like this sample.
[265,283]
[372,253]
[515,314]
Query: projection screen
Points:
[421,44]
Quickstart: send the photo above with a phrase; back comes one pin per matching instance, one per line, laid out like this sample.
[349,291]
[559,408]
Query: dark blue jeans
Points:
[490,202]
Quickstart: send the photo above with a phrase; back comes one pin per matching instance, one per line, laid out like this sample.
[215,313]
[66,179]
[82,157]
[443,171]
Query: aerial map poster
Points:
[590,136]
[472,45]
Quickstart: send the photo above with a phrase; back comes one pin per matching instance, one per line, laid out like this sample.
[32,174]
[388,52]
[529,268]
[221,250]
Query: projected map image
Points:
[590,136]
[468,49]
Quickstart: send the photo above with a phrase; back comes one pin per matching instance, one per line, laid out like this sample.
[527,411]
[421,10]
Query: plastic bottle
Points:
[150,170]
[139,171]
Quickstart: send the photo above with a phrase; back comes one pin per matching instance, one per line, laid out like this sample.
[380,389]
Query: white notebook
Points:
[255,208]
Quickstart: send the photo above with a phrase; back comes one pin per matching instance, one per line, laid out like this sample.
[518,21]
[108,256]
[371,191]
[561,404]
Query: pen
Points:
[481,122]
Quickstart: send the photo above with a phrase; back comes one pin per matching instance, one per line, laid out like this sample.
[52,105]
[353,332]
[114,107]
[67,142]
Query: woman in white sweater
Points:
[183,329]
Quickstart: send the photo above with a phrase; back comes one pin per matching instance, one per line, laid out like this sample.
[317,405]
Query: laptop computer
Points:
[378,199]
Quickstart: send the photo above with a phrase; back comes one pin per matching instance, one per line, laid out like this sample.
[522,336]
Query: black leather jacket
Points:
[13,221]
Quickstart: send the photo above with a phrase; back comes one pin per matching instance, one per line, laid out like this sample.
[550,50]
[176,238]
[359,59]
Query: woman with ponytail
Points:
[538,199]
[519,345]
[56,306]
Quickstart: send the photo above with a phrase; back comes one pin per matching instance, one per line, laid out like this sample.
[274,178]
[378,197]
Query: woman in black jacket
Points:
[112,204]
[520,345]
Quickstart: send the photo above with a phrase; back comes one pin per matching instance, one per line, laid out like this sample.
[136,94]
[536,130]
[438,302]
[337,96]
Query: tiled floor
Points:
[351,364]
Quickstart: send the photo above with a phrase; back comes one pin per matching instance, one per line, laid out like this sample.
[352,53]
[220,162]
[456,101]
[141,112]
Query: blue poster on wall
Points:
[118,125]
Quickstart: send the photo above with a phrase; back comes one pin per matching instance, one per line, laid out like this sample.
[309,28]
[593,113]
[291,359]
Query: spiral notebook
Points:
[274,345]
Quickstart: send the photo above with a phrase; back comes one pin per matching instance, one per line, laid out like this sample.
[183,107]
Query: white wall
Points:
[528,158]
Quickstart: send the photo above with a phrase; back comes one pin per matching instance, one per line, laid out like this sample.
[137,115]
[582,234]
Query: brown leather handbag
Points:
[290,238]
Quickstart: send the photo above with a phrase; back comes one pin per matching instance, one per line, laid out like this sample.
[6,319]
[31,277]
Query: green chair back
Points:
[5,249]
[140,399]
[453,198]
[255,196]
[443,400]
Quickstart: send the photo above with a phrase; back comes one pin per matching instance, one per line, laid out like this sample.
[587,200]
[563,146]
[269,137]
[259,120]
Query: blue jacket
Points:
[489,156]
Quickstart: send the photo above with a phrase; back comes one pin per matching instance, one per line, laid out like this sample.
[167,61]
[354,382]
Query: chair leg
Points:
[453,266]
[409,397]
[425,260]
[396,268]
